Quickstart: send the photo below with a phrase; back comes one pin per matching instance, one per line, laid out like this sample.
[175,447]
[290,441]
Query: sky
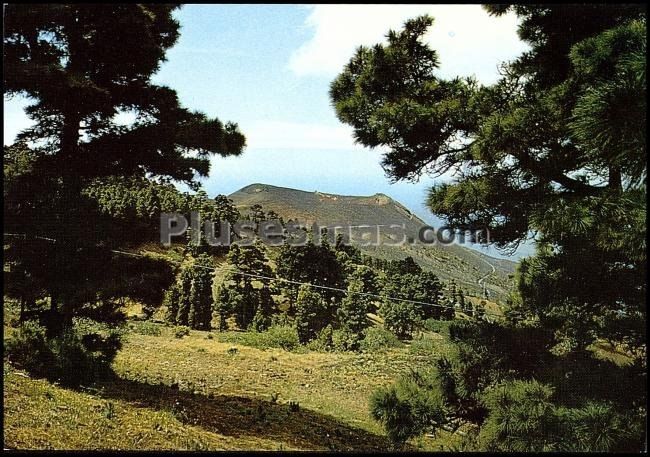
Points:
[268,68]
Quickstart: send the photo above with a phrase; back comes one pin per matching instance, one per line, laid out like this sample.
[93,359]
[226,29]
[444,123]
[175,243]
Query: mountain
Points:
[468,267]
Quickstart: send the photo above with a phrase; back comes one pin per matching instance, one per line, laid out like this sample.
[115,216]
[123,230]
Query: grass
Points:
[39,415]
[198,393]
[605,351]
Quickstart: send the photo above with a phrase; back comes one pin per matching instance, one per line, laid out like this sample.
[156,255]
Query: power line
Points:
[258,275]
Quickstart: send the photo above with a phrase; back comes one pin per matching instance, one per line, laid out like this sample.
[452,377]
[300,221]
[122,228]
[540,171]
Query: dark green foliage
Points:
[184,286]
[78,355]
[256,214]
[324,341]
[378,339]
[479,310]
[181,331]
[260,321]
[524,418]
[520,125]
[422,288]
[171,301]
[312,263]
[354,309]
[543,400]
[227,298]
[189,300]
[370,284]
[403,267]
[242,293]
[72,88]
[344,340]
[200,315]
[521,418]
[276,336]
[408,408]
[138,202]
[400,317]
[70,61]
[312,313]
[611,308]
[557,147]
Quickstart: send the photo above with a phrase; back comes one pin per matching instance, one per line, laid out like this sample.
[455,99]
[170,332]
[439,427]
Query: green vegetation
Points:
[325,346]
[557,147]
[180,397]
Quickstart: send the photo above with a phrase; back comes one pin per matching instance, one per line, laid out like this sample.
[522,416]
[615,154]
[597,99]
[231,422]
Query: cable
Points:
[269,278]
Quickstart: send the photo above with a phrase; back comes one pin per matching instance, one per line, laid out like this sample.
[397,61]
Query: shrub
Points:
[345,340]
[277,336]
[284,337]
[437,326]
[323,342]
[409,407]
[523,417]
[424,346]
[400,317]
[182,331]
[29,349]
[311,313]
[294,406]
[377,339]
[79,355]
[147,328]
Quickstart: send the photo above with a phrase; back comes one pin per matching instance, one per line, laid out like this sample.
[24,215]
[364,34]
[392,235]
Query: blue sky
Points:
[268,68]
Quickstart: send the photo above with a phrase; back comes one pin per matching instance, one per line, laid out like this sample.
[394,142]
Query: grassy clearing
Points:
[39,415]
[208,392]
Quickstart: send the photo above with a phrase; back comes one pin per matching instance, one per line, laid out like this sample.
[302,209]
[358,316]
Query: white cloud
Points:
[468,40]
[270,134]
[14,120]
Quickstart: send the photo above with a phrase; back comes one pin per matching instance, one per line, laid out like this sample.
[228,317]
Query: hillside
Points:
[452,261]
[213,391]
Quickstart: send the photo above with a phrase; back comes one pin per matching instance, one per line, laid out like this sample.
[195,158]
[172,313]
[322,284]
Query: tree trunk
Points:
[615,182]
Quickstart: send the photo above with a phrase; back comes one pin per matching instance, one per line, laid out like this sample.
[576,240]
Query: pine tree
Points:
[313,264]
[242,292]
[312,313]
[354,309]
[172,298]
[227,300]
[184,285]
[556,146]
[81,66]
[400,317]
[200,315]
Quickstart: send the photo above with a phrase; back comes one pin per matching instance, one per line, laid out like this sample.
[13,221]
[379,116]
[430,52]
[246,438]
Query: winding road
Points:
[481,280]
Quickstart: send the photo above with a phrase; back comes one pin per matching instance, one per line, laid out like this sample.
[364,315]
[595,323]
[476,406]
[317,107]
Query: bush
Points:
[401,318]
[182,331]
[377,339]
[78,355]
[147,328]
[436,326]
[345,340]
[277,336]
[323,342]
[409,407]
[283,337]
[425,346]
[28,348]
[523,418]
